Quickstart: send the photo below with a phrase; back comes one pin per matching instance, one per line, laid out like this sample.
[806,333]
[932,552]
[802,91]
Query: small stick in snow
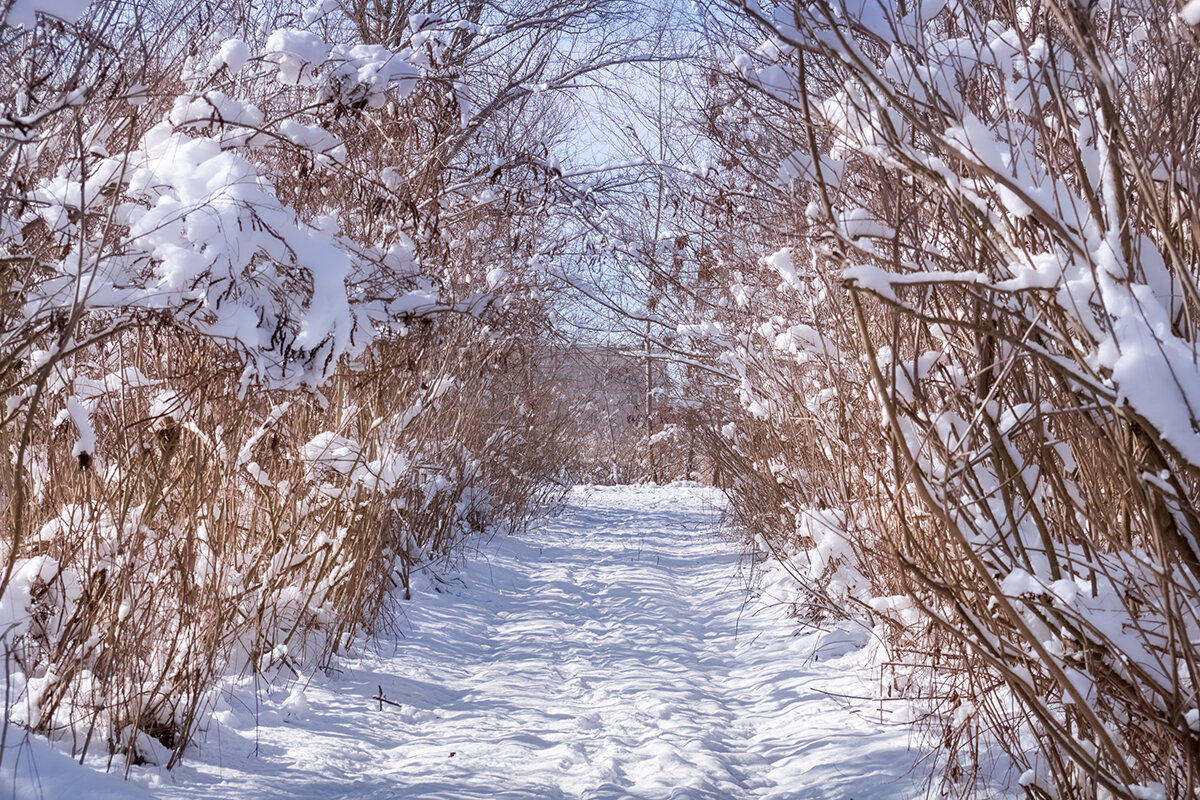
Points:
[383,699]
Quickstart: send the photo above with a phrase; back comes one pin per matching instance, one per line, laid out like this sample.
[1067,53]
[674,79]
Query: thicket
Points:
[274,334]
[955,304]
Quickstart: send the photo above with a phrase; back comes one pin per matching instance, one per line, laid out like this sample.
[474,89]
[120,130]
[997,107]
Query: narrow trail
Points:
[608,654]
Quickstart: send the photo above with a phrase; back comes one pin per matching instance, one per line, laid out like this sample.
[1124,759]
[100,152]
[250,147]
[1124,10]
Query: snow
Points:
[317,10]
[293,51]
[496,277]
[332,451]
[365,72]
[83,424]
[211,107]
[232,55]
[781,262]
[609,652]
[31,769]
[314,138]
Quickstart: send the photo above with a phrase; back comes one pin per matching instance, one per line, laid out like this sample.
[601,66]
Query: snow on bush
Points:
[973,341]
[230,375]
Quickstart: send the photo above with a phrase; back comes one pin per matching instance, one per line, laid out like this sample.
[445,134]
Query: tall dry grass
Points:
[215,535]
[177,514]
[968,380]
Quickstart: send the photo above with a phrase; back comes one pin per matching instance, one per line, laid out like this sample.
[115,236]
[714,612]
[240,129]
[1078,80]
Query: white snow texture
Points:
[609,653]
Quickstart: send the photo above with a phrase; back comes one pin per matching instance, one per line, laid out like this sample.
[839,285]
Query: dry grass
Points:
[969,444]
[223,523]
[210,535]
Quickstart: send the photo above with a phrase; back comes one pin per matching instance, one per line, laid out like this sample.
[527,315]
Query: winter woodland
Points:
[299,304]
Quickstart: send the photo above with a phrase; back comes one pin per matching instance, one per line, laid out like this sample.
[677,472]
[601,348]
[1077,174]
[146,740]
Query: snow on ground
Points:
[607,654]
[31,769]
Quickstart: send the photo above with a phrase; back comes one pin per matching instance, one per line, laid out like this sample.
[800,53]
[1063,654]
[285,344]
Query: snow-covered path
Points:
[606,654]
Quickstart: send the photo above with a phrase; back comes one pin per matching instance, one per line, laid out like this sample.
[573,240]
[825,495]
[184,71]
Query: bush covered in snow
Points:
[967,361]
[258,359]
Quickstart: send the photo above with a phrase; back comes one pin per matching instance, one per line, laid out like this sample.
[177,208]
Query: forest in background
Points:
[299,299]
